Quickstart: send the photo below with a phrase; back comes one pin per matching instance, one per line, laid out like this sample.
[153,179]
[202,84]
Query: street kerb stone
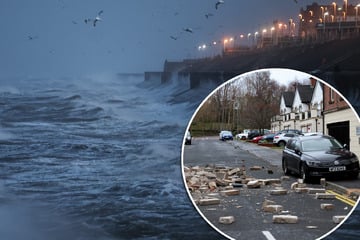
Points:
[291,219]
[325,196]
[227,219]
[233,171]
[267,202]
[338,219]
[209,201]
[327,206]
[253,184]
[273,208]
[278,192]
[231,192]
[316,190]
[255,168]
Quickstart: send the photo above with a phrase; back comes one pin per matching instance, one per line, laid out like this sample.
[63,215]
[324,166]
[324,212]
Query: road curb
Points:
[351,193]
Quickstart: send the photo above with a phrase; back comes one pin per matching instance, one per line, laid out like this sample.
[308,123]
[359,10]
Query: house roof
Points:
[305,92]
[288,98]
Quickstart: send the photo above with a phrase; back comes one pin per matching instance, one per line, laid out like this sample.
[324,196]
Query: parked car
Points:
[267,138]
[282,138]
[243,135]
[256,133]
[225,135]
[256,139]
[288,130]
[318,156]
[188,138]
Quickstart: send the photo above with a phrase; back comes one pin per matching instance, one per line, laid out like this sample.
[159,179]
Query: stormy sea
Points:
[99,158]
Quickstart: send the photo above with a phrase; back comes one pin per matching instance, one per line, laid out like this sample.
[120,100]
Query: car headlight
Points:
[312,163]
[354,159]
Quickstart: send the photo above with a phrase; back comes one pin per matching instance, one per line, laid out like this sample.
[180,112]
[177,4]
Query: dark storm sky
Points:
[50,37]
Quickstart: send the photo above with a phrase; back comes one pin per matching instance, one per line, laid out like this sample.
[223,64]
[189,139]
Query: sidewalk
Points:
[273,156]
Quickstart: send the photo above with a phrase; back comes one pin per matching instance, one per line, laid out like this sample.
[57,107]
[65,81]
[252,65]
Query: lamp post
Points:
[346,6]
[325,14]
[334,4]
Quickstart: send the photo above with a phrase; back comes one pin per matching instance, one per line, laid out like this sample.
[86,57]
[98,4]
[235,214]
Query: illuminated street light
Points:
[311,13]
[356,18]
[322,12]
[325,14]
[346,6]
[334,4]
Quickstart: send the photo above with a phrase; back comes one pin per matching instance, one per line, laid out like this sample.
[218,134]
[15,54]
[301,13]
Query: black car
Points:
[318,156]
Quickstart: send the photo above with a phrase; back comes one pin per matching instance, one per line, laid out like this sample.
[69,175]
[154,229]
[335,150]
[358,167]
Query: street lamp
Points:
[356,18]
[346,5]
[325,14]
[334,4]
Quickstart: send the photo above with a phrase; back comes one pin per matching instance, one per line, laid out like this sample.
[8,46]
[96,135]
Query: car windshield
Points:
[226,133]
[320,144]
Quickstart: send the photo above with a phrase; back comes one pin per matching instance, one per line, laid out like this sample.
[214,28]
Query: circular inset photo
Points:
[273,154]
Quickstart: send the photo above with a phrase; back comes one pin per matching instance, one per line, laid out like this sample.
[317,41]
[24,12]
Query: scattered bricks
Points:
[233,171]
[186,169]
[327,206]
[227,220]
[323,182]
[325,196]
[274,181]
[316,190]
[220,175]
[278,192]
[230,187]
[196,168]
[255,168]
[210,175]
[301,190]
[285,178]
[254,184]
[212,185]
[285,219]
[294,185]
[209,201]
[203,189]
[221,183]
[272,208]
[338,219]
[266,203]
[231,192]
[237,185]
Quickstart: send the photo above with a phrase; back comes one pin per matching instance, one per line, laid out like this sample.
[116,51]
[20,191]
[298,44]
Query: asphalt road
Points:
[250,221]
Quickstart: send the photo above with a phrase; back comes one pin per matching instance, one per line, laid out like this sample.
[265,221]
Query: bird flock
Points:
[207,15]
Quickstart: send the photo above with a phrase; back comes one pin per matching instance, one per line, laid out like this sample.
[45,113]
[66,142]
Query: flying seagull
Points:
[209,15]
[94,21]
[218,3]
[174,38]
[188,30]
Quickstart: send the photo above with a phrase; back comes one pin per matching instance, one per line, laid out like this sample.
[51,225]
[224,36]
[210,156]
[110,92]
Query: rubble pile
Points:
[212,185]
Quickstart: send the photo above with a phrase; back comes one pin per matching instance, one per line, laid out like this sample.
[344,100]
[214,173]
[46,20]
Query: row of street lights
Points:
[281,29]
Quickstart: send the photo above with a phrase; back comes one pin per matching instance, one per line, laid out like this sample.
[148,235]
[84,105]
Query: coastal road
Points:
[250,221]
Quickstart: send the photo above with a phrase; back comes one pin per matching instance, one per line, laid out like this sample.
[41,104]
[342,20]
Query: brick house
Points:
[319,108]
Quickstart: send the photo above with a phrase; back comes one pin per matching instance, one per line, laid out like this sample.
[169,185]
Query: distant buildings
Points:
[318,108]
[328,22]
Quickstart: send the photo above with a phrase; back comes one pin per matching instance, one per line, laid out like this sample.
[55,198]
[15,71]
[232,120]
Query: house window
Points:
[331,94]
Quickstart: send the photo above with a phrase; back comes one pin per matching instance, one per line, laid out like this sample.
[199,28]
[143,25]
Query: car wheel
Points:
[304,174]
[282,144]
[285,167]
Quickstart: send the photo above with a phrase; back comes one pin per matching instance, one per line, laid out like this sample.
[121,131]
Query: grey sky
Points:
[134,36]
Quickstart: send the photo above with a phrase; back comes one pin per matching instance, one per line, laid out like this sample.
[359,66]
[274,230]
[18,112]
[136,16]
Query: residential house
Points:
[340,120]
[319,108]
[300,109]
